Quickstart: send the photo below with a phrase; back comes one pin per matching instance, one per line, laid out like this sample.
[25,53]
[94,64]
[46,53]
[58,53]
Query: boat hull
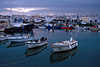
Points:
[34,45]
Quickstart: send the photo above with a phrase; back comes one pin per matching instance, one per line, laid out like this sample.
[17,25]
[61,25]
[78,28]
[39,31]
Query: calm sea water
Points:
[86,55]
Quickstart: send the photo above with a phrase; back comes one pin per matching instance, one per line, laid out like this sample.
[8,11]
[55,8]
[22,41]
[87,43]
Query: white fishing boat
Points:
[64,45]
[2,38]
[15,37]
[36,43]
[18,38]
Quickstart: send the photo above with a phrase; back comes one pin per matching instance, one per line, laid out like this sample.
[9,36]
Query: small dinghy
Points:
[64,45]
[36,43]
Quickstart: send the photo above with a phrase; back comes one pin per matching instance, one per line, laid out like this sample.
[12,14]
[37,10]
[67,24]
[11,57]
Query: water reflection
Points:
[35,51]
[15,44]
[61,56]
[5,43]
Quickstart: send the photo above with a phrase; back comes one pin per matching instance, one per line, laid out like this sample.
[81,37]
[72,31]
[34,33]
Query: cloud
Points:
[56,6]
[25,10]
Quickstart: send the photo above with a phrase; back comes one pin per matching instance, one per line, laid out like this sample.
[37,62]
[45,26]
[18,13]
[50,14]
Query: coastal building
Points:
[85,19]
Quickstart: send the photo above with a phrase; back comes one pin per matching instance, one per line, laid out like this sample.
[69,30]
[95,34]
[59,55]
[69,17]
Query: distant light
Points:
[24,9]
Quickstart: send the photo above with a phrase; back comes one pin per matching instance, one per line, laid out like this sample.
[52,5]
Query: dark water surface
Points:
[86,55]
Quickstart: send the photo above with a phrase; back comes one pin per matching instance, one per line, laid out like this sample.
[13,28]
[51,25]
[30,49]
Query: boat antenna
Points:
[71,39]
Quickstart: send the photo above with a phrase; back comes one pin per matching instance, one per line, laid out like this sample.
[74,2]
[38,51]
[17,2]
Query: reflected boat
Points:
[14,44]
[5,43]
[62,56]
[35,51]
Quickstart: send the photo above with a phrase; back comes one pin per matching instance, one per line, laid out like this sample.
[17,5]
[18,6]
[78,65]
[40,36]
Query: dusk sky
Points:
[53,6]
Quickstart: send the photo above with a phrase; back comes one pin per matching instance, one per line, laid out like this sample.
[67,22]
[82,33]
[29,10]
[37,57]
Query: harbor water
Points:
[85,55]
